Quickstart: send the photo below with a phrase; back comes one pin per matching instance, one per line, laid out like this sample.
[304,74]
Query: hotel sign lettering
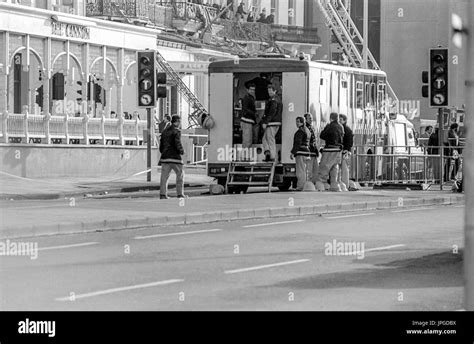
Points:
[189,67]
[70,30]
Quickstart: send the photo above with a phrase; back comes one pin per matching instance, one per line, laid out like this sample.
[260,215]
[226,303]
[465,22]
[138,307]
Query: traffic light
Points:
[439,77]
[146,79]
[161,85]
[425,89]
[79,91]
[58,83]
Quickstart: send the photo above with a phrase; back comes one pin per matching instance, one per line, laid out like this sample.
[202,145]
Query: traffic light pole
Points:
[148,144]
[468,172]
[441,146]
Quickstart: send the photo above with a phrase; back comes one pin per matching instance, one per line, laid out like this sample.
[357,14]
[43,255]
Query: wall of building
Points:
[408,30]
[30,161]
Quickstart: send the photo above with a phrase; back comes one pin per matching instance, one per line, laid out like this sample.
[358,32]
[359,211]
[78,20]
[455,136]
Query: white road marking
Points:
[409,210]
[375,249]
[67,246]
[116,290]
[260,267]
[459,206]
[176,234]
[273,223]
[347,216]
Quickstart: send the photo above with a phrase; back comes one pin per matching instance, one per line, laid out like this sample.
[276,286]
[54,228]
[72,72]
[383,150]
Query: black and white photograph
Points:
[312,157]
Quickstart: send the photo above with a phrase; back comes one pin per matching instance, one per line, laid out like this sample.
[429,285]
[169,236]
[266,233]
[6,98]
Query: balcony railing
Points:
[149,11]
[190,17]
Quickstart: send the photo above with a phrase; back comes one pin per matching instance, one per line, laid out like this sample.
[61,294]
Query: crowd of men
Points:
[338,138]
[335,155]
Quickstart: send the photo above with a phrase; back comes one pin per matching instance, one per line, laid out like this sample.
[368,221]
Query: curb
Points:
[227,215]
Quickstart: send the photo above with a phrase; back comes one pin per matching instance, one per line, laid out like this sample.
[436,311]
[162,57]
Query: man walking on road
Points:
[313,165]
[301,151]
[332,135]
[348,142]
[171,150]
[248,119]
[271,123]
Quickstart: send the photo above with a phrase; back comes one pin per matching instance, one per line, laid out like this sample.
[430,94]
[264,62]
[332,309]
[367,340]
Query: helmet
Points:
[207,121]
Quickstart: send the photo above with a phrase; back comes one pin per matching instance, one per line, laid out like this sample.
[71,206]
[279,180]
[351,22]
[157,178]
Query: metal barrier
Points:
[406,164]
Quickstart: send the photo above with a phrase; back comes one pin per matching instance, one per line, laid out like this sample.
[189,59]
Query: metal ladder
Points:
[246,174]
[349,38]
[188,95]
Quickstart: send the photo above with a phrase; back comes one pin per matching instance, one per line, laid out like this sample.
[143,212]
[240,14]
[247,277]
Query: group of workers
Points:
[338,138]
[335,156]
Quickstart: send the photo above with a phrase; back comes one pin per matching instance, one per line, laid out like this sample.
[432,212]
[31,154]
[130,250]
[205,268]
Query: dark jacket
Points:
[313,148]
[433,144]
[270,19]
[248,110]
[273,111]
[333,135]
[348,140]
[240,9]
[171,148]
[301,142]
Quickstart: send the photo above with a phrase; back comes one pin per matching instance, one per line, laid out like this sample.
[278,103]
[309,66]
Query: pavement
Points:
[17,188]
[78,205]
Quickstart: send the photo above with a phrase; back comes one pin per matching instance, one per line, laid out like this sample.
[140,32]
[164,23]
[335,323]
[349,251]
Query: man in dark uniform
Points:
[300,151]
[248,118]
[171,150]
[271,123]
[332,135]
[313,165]
[348,142]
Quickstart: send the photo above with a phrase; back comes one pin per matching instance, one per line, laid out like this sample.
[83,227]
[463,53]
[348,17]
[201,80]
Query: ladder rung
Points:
[236,173]
[248,184]
[250,164]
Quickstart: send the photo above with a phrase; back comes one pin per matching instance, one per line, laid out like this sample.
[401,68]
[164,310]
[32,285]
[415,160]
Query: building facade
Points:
[401,33]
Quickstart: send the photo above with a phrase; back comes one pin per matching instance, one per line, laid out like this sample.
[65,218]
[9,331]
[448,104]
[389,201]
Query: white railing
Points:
[26,128]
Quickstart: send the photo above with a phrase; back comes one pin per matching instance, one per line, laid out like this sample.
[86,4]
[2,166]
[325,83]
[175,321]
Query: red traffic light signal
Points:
[146,79]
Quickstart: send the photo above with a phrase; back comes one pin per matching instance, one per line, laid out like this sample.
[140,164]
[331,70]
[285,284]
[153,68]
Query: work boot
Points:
[164,197]
[320,186]
[183,196]
[343,187]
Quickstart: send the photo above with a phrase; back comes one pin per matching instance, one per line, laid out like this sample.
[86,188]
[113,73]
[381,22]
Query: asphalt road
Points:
[408,259]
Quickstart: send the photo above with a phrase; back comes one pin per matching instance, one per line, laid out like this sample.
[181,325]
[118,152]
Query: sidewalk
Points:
[80,215]
[18,188]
